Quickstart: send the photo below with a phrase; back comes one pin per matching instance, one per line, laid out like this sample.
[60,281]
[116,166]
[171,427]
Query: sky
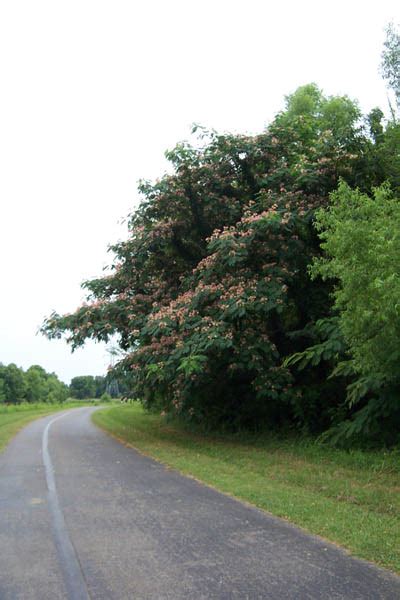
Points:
[94,92]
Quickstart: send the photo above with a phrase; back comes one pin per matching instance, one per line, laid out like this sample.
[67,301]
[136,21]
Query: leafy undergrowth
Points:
[15,416]
[349,497]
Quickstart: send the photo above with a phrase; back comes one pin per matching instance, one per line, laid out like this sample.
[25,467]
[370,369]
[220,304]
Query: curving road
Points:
[82,516]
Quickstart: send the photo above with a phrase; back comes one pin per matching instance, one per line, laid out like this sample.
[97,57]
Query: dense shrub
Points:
[210,293]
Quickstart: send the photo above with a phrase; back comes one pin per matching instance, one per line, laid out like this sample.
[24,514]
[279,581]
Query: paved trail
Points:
[81,516]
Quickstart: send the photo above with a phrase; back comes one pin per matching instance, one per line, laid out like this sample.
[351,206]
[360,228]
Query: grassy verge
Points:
[351,498]
[14,417]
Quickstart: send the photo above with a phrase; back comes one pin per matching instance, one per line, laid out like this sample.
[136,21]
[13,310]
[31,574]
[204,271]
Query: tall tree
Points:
[14,386]
[82,387]
[390,65]
[361,242]
[210,288]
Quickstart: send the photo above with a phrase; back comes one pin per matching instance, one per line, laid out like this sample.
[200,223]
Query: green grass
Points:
[349,497]
[15,416]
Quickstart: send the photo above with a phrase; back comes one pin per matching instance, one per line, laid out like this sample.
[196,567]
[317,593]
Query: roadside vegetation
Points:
[258,291]
[258,285]
[349,497]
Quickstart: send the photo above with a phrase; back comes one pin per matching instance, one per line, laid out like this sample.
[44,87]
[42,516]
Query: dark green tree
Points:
[34,385]
[100,385]
[14,385]
[83,387]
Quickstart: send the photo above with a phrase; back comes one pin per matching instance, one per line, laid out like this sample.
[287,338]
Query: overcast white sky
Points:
[93,93]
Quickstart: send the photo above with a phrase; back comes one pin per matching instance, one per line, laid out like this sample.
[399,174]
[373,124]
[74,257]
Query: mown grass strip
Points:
[349,497]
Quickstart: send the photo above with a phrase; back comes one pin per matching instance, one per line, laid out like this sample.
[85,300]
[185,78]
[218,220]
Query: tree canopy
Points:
[390,65]
[210,294]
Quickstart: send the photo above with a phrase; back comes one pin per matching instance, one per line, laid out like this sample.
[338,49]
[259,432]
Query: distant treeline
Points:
[32,385]
[36,385]
[87,386]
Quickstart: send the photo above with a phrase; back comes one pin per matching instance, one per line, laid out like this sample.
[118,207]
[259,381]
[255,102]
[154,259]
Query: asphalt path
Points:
[82,516]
